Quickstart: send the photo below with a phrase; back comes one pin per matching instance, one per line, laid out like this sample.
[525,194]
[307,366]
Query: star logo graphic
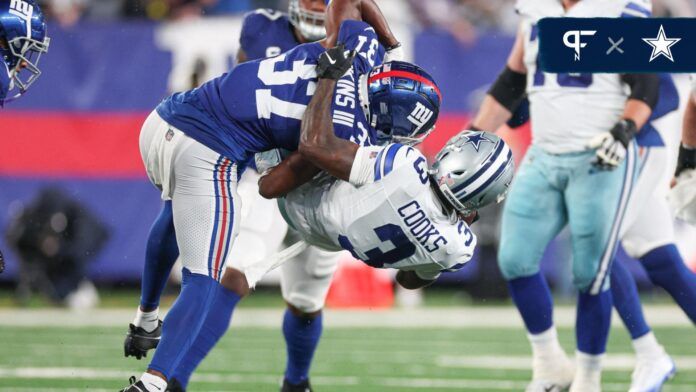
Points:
[475,139]
[661,45]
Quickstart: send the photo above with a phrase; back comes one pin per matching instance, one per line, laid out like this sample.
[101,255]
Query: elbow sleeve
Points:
[509,89]
[644,87]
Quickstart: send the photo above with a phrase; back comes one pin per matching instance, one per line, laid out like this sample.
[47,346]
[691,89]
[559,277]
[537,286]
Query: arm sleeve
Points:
[644,87]
[428,273]
[361,37]
[363,170]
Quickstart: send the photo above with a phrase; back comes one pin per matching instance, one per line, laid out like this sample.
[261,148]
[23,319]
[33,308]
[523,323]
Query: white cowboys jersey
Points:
[567,110]
[387,215]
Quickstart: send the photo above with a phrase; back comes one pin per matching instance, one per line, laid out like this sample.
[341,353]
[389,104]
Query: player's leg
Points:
[260,234]
[160,255]
[647,226]
[203,193]
[597,201]
[304,282]
[533,215]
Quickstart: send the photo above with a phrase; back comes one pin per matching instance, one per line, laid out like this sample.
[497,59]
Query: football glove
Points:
[395,53]
[335,62]
[267,160]
[612,146]
[686,160]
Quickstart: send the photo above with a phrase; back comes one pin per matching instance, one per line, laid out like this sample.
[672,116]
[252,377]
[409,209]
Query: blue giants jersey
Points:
[266,33]
[258,105]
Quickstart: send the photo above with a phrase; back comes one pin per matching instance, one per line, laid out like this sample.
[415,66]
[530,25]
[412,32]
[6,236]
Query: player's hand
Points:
[612,146]
[335,62]
[395,53]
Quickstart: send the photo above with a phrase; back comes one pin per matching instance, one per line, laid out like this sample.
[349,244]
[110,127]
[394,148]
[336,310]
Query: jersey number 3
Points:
[403,248]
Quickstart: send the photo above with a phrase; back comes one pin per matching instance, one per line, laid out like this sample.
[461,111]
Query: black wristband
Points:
[395,46]
[624,131]
[686,160]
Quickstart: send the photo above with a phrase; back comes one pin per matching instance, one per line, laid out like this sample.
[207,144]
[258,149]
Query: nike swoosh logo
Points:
[332,61]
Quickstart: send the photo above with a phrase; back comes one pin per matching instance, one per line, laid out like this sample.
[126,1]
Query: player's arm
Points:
[318,142]
[612,145]
[365,10]
[411,281]
[292,172]
[687,148]
[507,91]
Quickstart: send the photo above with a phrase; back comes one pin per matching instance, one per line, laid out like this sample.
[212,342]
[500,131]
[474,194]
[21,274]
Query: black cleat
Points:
[174,385]
[301,387]
[135,386]
[139,341]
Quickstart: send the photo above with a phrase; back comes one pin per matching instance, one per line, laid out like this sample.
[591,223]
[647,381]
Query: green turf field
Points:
[349,359]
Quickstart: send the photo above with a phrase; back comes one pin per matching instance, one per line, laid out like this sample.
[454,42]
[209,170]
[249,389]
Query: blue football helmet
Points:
[403,102]
[23,32]
[310,23]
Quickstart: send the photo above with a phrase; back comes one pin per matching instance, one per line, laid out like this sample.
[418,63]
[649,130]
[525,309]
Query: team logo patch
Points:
[21,9]
[476,139]
[169,135]
[420,116]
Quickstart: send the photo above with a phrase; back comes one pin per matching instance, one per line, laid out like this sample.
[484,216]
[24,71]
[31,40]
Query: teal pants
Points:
[552,190]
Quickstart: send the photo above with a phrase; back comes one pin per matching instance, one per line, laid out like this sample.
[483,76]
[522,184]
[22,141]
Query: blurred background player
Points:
[23,40]
[683,194]
[212,143]
[557,184]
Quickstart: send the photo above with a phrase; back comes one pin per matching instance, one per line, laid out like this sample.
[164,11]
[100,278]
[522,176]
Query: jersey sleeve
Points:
[636,9]
[459,252]
[374,163]
[361,37]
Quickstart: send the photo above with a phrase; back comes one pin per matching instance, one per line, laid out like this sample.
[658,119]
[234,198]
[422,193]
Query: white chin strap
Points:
[364,96]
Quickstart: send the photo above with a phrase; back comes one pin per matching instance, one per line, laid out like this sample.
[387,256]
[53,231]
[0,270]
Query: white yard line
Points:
[273,379]
[450,317]
[611,362]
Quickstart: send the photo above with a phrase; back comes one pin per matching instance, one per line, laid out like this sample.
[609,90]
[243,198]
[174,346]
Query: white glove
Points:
[611,146]
[396,53]
[682,197]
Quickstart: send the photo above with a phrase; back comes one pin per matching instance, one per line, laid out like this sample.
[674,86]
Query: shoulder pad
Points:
[258,20]
[537,9]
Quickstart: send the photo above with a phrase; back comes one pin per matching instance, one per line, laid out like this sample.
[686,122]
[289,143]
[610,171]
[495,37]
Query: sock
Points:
[545,344]
[533,299]
[647,345]
[666,269]
[184,321]
[626,300]
[153,383]
[588,369]
[146,320]
[160,255]
[302,336]
[216,324]
[593,322]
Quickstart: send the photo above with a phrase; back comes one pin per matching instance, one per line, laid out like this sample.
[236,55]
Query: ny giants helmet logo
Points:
[21,9]
[420,116]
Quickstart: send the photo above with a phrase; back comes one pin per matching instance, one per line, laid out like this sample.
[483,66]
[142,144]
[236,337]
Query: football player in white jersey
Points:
[579,171]
[683,195]
[390,210]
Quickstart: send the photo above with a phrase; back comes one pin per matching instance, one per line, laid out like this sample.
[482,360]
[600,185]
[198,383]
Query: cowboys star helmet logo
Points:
[475,139]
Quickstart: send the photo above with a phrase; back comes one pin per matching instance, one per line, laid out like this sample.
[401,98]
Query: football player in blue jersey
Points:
[23,40]
[196,143]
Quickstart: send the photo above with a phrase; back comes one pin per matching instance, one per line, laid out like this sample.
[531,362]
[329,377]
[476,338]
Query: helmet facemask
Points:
[24,56]
[309,23]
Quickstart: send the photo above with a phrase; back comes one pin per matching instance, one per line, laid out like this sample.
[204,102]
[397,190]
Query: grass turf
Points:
[349,359]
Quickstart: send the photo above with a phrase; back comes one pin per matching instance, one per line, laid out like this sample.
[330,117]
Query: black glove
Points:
[335,62]
[686,160]
[612,146]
